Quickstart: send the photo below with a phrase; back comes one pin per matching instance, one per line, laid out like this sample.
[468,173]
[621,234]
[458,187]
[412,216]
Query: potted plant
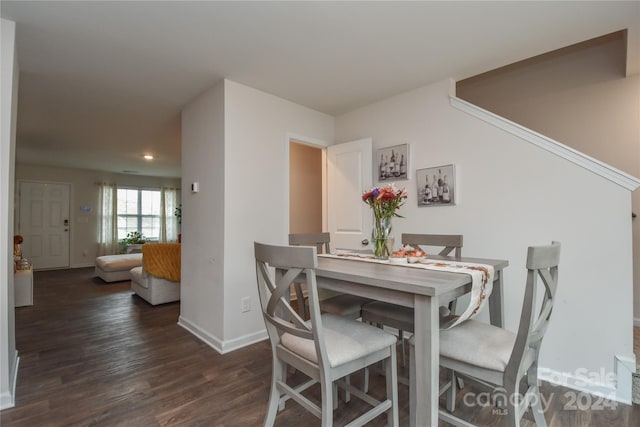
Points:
[133,238]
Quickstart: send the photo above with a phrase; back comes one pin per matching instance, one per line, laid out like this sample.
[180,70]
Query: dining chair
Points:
[344,304]
[500,358]
[402,318]
[325,348]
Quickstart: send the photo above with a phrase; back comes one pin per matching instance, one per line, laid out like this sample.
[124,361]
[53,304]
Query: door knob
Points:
[365,242]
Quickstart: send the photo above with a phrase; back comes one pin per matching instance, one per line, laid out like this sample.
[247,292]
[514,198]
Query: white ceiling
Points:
[101,83]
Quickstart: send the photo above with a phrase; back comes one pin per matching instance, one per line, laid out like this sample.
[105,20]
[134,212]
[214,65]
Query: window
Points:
[139,210]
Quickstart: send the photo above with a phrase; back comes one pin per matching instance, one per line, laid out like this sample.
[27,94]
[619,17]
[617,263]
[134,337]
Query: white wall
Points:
[256,183]
[512,194]
[586,87]
[9,92]
[84,192]
[203,161]
[242,166]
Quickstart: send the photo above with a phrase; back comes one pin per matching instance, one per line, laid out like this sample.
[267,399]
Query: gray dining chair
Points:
[326,348]
[402,318]
[501,358]
[344,304]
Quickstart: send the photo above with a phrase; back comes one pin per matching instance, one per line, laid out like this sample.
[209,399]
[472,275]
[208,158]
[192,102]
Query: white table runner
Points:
[481,278]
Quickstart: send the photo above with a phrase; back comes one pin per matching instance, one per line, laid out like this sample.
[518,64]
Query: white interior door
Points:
[349,175]
[44,224]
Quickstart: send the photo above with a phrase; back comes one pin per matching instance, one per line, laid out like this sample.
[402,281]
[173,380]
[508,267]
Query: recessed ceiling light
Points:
[148,157]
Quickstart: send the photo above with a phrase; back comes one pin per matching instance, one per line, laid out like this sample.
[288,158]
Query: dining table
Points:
[424,290]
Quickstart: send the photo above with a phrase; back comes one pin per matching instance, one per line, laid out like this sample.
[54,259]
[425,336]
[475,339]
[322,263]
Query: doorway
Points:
[306,187]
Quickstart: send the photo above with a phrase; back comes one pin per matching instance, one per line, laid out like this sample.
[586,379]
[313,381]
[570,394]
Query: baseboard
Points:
[244,341]
[614,386]
[636,322]
[219,345]
[8,397]
[207,338]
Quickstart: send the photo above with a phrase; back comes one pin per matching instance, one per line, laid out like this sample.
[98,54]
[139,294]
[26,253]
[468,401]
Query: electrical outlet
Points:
[245,304]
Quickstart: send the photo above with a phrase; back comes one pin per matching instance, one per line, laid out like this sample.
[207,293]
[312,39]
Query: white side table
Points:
[23,285]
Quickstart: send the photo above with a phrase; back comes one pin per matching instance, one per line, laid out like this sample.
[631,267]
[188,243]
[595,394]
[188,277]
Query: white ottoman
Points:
[115,268]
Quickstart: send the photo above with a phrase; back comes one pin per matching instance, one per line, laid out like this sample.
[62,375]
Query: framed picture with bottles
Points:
[392,163]
[436,186]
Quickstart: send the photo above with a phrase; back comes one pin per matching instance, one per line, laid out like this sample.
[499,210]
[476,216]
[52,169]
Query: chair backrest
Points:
[319,240]
[288,263]
[449,242]
[542,262]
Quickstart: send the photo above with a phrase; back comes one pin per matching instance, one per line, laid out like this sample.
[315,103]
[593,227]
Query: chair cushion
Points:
[345,340]
[344,305]
[478,344]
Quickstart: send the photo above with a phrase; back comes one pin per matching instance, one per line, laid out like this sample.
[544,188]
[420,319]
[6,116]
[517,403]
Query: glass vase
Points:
[380,236]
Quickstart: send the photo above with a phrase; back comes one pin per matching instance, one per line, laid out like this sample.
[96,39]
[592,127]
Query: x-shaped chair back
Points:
[449,242]
[278,269]
[542,267]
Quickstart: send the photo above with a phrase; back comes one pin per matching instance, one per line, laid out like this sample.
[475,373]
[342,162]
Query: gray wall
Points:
[580,98]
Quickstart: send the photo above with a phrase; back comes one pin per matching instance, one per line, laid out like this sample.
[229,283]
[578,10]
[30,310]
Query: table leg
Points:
[495,302]
[424,396]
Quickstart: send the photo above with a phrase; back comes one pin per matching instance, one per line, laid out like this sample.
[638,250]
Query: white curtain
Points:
[108,219]
[168,220]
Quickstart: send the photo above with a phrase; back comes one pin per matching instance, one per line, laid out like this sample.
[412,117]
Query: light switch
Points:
[195,187]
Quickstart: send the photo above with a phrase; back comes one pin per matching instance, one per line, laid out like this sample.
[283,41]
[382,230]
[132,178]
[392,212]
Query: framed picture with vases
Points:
[436,186]
[392,163]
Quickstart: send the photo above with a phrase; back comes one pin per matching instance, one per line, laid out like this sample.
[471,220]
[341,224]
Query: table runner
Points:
[481,279]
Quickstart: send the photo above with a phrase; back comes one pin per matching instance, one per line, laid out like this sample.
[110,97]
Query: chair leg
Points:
[274,394]
[347,393]
[283,377]
[365,380]
[392,389]
[327,390]
[401,338]
[451,392]
[536,405]
[513,406]
[412,385]
[302,308]
[452,306]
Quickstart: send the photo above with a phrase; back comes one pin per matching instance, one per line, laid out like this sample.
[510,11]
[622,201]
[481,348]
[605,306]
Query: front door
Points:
[349,176]
[44,223]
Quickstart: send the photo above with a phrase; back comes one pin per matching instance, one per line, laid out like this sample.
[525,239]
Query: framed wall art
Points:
[392,163]
[436,186]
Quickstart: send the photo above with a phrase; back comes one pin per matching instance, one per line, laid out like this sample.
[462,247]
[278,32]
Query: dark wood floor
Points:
[91,354]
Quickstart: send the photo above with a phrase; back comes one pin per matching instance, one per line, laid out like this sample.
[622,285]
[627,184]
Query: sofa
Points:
[157,280]
[115,268]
